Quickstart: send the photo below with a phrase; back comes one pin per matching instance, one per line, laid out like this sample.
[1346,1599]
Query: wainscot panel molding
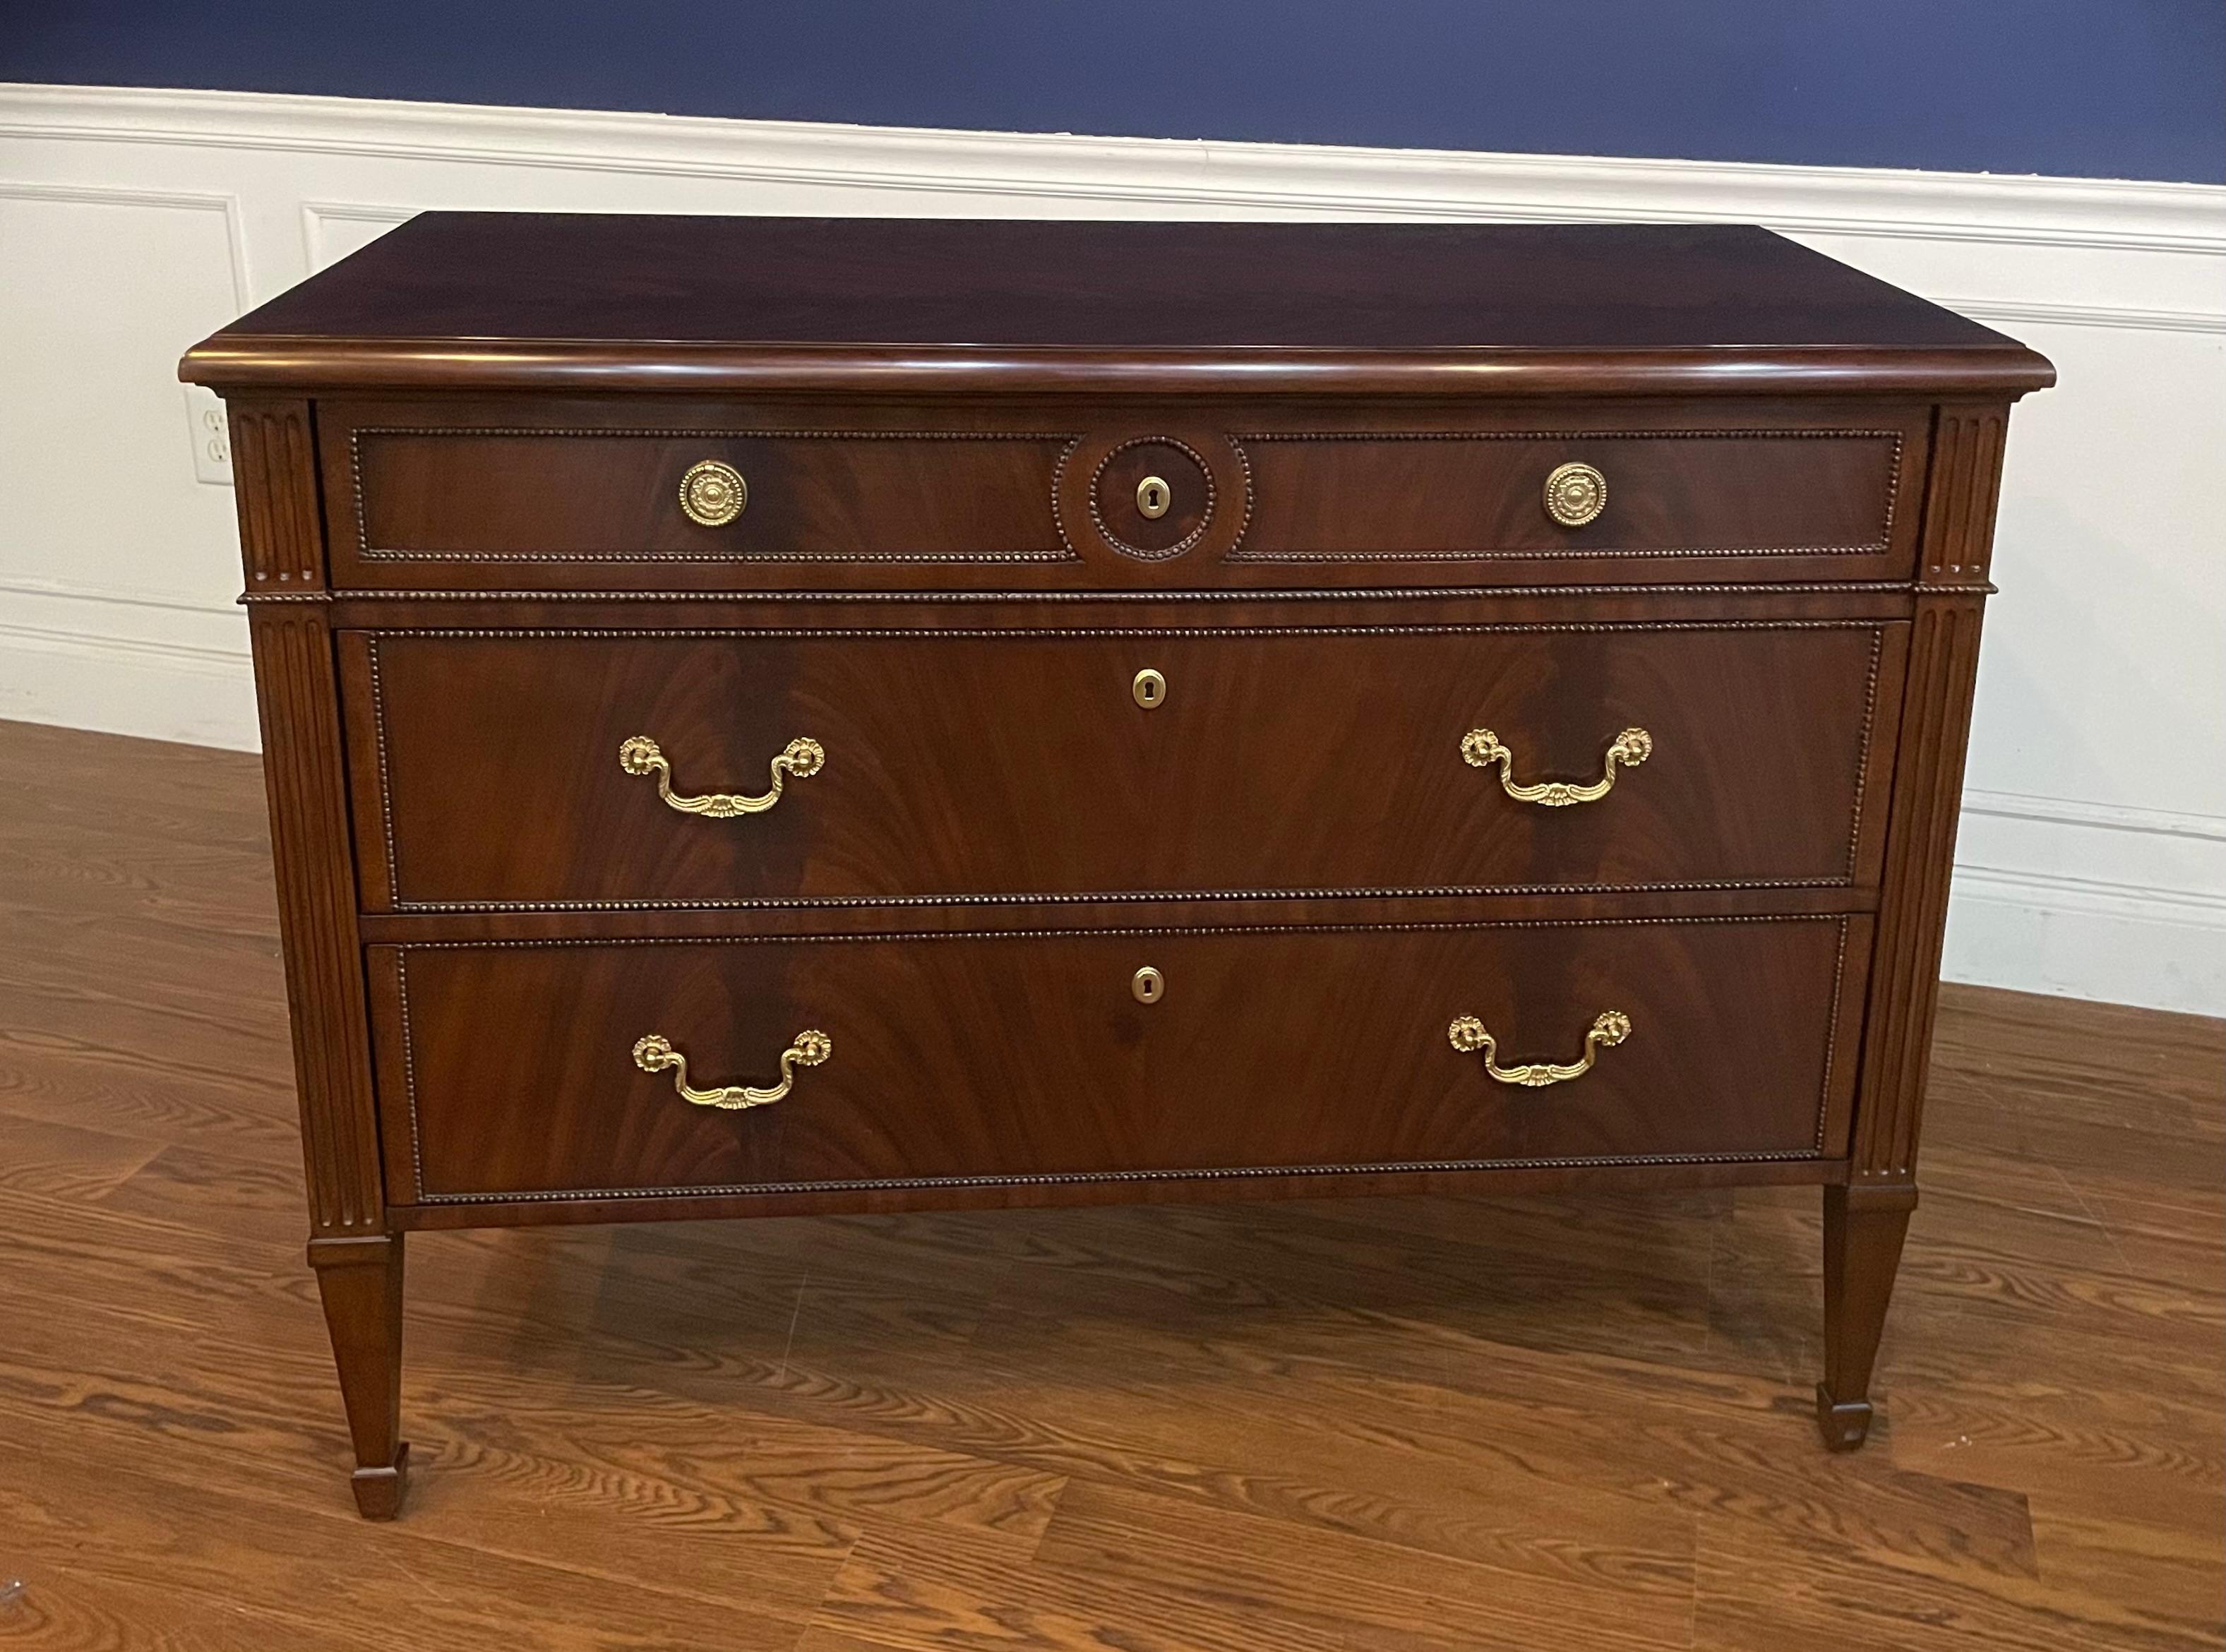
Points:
[2092,856]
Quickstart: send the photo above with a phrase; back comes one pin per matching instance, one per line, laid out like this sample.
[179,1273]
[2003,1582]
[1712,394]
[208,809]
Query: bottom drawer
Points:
[510,1068]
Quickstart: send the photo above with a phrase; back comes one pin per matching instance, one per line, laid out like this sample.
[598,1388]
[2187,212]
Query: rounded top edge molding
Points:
[246,362]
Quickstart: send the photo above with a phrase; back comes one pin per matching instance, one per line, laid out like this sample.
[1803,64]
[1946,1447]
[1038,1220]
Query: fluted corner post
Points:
[1864,1222]
[358,1260]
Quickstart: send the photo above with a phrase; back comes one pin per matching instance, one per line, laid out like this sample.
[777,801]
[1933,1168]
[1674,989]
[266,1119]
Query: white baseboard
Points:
[159,669]
[2056,895]
[144,219]
[2074,938]
[75,680]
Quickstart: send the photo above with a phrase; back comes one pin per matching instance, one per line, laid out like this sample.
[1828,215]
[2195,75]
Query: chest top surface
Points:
[494,301]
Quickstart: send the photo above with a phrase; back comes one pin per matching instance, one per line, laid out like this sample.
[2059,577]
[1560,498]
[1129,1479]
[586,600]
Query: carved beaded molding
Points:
[728,1190]
[1061,553]
[1067,552]
[400,903]
[1245,593]
[1815,1152]
[1189,541]
[1879,547]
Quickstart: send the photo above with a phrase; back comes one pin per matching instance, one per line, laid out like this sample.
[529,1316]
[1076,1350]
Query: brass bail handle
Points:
[1468,1035]
[654,1053]
[801,758]
[1482,749]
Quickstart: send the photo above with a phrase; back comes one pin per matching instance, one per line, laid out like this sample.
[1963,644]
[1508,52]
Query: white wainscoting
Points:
[2093,855]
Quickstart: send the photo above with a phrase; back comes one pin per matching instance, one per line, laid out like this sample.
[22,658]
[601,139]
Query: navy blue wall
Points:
[2095,88]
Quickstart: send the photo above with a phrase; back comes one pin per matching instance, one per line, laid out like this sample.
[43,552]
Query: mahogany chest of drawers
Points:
[790,715]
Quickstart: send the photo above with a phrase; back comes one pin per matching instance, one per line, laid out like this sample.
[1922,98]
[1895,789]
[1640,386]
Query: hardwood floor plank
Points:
[2085,1057]
[2171,1570]
[646,1451]
[1766,1592]
[918,1593]
[407,1586]
[1356,1589]
[71,1609]
[155,1091]
[66,1162]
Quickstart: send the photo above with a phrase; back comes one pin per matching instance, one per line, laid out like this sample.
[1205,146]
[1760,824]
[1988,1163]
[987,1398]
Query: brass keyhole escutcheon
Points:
[1153,496]
[1147,985]
[1149,689]
[713,494]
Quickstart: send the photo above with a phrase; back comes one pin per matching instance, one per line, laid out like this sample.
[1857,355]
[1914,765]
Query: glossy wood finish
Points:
[1801,467]
[504,499]
[298,697]
[1928,783]
[359,1280]
[1864,1225]
[1757,496]
[977,761]
[1439,1423]
[1016,1057]
[969,494]
[274,463]
[556,303]
[582,497]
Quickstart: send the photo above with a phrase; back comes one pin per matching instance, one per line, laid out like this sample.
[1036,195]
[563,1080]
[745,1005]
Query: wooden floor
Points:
[1426,1426]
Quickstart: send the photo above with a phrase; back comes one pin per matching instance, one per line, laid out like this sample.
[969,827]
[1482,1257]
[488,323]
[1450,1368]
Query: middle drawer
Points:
[604,770]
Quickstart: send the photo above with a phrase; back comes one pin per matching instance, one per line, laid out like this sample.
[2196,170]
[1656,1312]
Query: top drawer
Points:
[562,496]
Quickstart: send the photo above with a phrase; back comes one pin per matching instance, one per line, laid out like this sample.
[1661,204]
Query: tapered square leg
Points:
[360,1280]
[1863,1229]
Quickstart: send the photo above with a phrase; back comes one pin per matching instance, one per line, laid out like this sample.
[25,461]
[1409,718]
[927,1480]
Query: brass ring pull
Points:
[1576,494]
[1480,749]
[713,494]
[801,758]
[655,1053]
[1468,1035]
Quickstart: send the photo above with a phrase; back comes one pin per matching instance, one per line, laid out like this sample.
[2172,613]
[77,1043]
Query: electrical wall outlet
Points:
[211,435]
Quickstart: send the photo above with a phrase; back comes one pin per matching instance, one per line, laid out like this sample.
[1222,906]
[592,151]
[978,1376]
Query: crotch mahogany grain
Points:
[987,1059]
[988,761]
[1477,831]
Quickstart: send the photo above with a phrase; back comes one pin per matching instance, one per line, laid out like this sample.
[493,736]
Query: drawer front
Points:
[648,495]
[1737,496]
[489,769]
[510,1070]
[508,502]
